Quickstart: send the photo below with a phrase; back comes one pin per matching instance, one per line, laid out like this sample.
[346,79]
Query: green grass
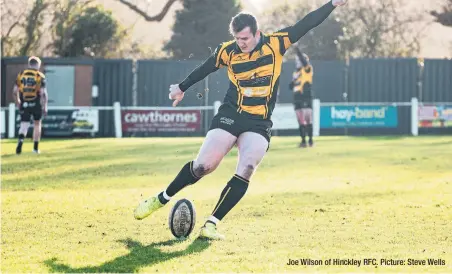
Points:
[70,209]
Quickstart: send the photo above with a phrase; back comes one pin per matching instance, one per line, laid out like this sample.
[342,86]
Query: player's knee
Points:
[202,169]
[24,128]
[247,170]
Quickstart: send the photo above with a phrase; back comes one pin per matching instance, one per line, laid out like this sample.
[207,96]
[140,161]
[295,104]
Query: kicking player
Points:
[253,60]
[30,96]
[302,90]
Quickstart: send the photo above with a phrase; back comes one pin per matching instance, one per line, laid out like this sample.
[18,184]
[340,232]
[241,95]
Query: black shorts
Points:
[26,112]
[302,104]
[235,123]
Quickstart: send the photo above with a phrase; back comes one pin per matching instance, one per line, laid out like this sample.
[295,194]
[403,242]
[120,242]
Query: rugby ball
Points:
[182,218]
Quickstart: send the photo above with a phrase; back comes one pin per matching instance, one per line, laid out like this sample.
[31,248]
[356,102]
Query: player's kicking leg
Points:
[252,148]
[216,145]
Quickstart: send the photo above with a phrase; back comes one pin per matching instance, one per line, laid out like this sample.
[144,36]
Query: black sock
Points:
[19,144]
[300,128]
[184,178]
[35,146]
[21,139]
[303,133]
[309,129]
[162,199]
[230,196]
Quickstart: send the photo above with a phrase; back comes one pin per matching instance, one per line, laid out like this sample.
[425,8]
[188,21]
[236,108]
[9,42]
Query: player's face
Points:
[246,40]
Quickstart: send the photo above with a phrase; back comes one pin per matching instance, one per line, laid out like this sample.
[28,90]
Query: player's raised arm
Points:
[211,64]
[312,20]
[199,73]
[301,57]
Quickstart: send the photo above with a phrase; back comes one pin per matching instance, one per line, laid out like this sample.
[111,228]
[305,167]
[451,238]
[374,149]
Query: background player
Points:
[30,96]
[301,86]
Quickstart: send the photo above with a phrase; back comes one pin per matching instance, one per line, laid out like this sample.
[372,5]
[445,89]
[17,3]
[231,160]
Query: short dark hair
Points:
[241,21]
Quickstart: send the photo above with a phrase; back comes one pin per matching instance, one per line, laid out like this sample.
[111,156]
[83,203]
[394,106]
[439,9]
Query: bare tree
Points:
[11,21]
[380,29]
[317,43]
[22,28]
[32,31]
[156,18]
[364,28]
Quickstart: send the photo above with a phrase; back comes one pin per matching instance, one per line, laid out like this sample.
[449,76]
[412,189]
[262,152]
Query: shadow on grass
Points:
[139,256]
[6,156]
[383,137]
[100,152]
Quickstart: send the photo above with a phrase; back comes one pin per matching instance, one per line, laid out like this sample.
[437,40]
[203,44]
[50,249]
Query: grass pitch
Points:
[70,209]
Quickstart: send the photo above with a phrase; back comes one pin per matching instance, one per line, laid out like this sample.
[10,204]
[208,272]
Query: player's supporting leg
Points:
[302,126]
[36,135]
[252,148]
[216,145]
[308,118]
[23,129]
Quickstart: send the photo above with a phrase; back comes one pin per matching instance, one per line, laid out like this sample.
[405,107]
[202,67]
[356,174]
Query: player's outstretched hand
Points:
[176,94]
[337,3]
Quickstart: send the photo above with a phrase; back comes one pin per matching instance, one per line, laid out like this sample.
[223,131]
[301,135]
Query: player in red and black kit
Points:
[302,95]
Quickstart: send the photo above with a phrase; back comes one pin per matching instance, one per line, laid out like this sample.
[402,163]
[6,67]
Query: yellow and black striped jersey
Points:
[254,77]
[30,82]
[303,79]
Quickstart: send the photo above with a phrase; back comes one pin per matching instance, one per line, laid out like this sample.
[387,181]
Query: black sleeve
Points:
[310,21]
[199,73]
[303,61]
[301,57]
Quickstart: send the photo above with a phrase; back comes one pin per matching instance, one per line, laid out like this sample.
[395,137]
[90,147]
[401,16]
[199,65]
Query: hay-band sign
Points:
[161,120]
[358,116]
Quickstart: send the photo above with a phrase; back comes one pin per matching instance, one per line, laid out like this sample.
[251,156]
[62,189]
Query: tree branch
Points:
[157,18]
[32,25]
[445,16]
[11,29]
